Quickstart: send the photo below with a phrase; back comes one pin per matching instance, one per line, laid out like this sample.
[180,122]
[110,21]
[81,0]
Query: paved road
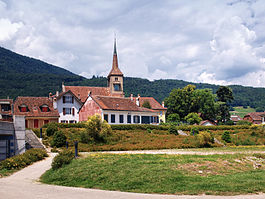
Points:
[24,185]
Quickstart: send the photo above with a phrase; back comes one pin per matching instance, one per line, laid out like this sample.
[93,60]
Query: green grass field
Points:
[167,174]
[242,111]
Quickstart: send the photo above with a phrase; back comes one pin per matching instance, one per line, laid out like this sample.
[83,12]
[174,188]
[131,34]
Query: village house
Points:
[37,111]
[254,117]
[235,118]
[108,101]
[6,109]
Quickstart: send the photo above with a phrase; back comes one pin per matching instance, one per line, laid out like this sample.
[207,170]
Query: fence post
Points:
[76,149]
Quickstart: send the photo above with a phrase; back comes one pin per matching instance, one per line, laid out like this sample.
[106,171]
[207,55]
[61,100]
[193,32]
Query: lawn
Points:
[167,174]
[239,110]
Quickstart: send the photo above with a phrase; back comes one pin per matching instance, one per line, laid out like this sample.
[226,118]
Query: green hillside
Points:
[24,76]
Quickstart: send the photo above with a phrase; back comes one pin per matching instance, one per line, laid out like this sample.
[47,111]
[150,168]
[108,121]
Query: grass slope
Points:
[239,110]
[167,174]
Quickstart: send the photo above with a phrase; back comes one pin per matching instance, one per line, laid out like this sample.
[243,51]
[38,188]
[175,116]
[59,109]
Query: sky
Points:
[207,41]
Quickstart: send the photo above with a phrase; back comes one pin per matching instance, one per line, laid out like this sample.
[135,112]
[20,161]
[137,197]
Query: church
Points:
[77,103]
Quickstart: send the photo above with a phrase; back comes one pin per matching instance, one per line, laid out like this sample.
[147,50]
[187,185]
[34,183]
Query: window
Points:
[36,123]
[72,121]
[116,78]
[46,121]
[23,108]
[129,119]
[117,87]
[106,117]
[68,99]
[44,108]
[112,119]
[64,121]
[5,107]
[136,119]
[121,119]
[145,119]
[67,111]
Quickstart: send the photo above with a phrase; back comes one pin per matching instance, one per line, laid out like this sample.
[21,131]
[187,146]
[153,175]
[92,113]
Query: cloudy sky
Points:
[213,41]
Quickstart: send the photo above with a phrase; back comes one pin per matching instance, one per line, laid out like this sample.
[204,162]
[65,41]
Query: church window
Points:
[117,87]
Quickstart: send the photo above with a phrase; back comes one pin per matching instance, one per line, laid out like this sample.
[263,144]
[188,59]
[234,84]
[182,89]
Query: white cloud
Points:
[219,42]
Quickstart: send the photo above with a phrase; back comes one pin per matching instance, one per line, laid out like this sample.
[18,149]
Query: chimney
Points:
[63,87]
[57,93]
[163,104]
[131,97]
[138,100]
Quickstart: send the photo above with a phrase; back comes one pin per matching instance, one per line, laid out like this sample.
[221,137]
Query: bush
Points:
[174,117]
[97,129]
[22,160]
[51,129]
[194,131]
[63,158]
[204,139]
[59,139]
[173,130]
[226,137]
[244,122]
[193,118]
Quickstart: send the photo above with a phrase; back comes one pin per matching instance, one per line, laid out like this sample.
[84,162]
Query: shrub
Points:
[22,160]
[244,122]
[63,158]
[226,137]
[51,129]
[97,129]
[59,139]
[149,131]
[173,130]
[174,117]
[204,139]
[193,118]
[194,131]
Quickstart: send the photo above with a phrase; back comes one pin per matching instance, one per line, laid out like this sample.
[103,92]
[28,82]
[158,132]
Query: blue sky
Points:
[209,41]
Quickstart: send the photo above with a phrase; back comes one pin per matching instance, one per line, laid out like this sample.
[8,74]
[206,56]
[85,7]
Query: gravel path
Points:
[24,185]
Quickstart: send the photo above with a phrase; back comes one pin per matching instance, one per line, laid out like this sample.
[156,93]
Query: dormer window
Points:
[5,107]
[44,108]
[23,108]
[68,99]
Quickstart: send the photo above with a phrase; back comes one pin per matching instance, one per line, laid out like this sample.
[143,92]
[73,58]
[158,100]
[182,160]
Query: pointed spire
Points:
[115,68]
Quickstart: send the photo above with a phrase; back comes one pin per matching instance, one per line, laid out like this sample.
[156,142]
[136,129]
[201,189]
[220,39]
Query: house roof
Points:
[119,104]
[70,92]
[155,105]
[82,92]
[205,121]
[256,116]
[33,104]
[235,118]
[6,101]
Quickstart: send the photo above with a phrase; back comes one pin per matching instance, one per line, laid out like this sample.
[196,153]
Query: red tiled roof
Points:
[235,118]
[119,104]
[154,104]
[205,121]
[256,116]
[33,104]
[6,101]
[82,92]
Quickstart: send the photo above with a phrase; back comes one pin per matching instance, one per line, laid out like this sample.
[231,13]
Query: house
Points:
[110,102]
[254,117]
[37,111]
[6,109]
[68,106]
[262,118]
[154,105]
[235,118]
[117,110]
[207,123]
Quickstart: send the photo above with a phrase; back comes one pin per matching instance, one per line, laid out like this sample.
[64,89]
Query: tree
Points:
[188,99]
[193,118]
[174,117]
[224,96]
[146,104]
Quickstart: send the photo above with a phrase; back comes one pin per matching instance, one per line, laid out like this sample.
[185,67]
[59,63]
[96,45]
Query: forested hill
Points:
[24,76]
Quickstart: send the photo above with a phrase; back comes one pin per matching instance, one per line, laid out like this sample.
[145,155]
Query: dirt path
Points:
[24,185]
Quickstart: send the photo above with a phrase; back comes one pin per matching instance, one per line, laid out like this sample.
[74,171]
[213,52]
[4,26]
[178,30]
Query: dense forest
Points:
[24,76]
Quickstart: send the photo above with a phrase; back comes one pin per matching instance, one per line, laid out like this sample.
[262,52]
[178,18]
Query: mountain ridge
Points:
[24,76]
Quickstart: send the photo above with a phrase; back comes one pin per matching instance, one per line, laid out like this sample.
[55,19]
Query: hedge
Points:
[182,127]
[66,125]
[23,160]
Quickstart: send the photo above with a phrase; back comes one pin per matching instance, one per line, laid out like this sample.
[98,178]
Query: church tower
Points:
[115,77]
